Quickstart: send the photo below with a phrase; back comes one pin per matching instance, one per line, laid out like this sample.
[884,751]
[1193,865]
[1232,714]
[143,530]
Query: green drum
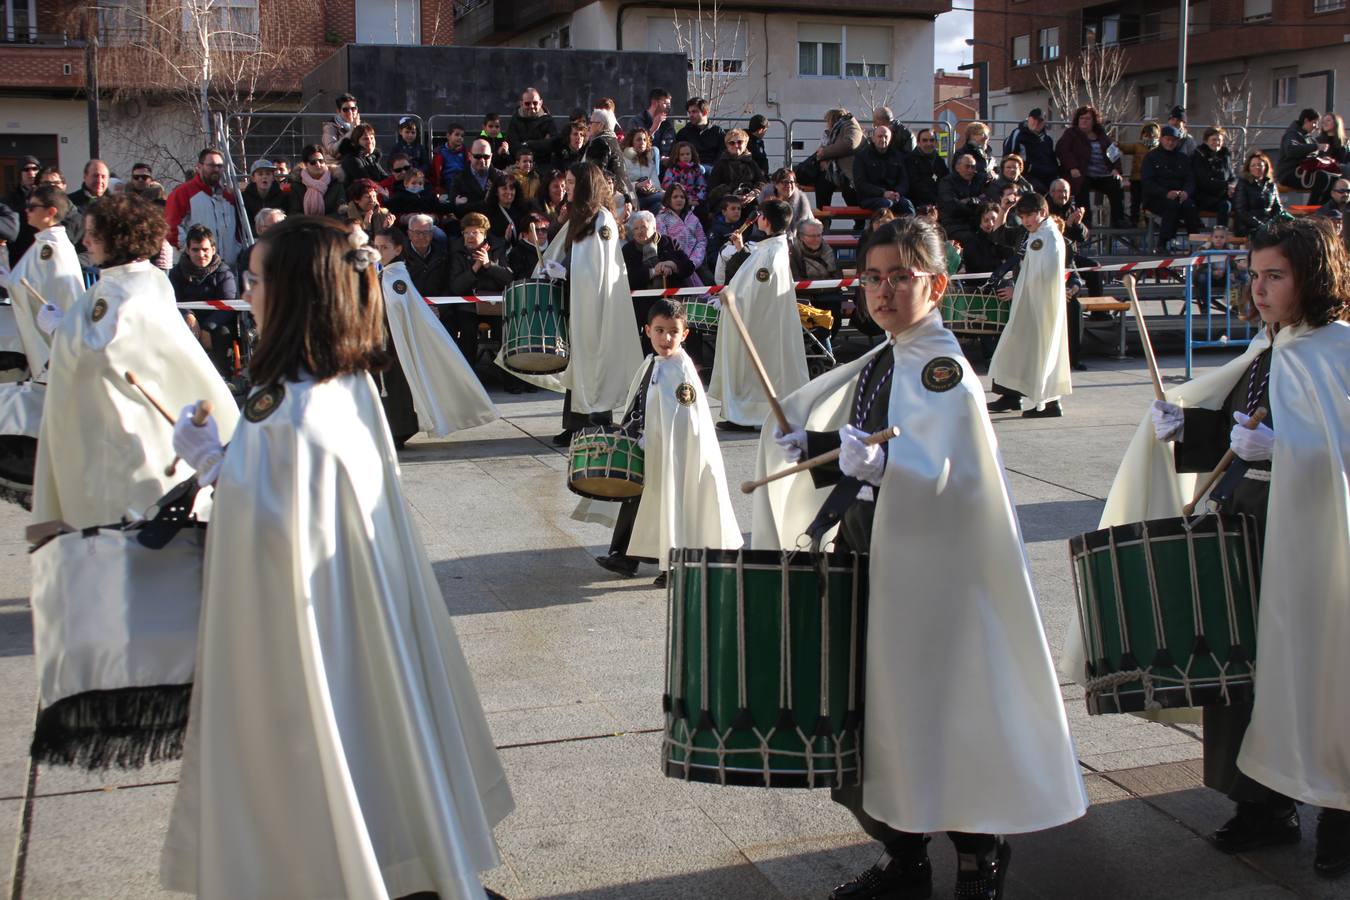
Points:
[764,668]
[534,326]
[702,314]
[1168,611]
[604,463]
[974,312]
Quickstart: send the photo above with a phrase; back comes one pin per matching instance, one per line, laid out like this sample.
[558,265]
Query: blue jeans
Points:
[901,207]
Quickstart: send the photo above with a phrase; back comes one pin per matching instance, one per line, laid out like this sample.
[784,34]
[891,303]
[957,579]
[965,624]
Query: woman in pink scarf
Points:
[315,192]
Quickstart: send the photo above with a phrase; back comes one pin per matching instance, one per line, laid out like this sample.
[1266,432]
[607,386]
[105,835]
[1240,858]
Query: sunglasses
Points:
[316,161]
[29,169]
[482,156]
[140,177]
[1341,192]
[349,109]
[400,170]
[735,143]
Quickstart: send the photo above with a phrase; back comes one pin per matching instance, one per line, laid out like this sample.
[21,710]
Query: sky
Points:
[952,30]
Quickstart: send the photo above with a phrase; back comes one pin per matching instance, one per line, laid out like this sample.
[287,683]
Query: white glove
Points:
[865,462]
[552,269]
[1252,444]
[1168,420]
[198,445]
[792,444]
[49,318]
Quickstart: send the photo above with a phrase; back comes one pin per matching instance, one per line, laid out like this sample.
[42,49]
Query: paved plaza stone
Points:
[569,663]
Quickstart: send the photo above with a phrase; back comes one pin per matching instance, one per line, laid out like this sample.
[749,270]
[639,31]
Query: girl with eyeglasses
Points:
[332,704]
[912,507]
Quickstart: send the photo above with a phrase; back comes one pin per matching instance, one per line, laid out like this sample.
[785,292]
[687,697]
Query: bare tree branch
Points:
[1094,78]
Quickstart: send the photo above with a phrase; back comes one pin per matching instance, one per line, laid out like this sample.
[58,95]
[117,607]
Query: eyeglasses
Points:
[141,177]
[400,170]
[735,143]
[316,161]
[250,281]
[29,169]
[482,156]
[900,279]
[349,109]
[1344,191]
[31,206]
[787,181]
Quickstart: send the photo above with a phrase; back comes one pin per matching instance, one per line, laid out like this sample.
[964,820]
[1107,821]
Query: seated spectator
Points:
[526,176]
[727,219]
[1133,157]
[879,176]
[607,104]
[604,150]
[784,187]
[959,196]
[1063,207]
[502,209]
[411,196]
[477,266]
[360,158]
[1032,142]
[902,138]
[678,222]
[471,188]
[643,163]
[409,143]
[263,190]
[428,262]
[532,127]
[1257,198]
[1169,187]
[707,139]
[924,170]
[653,259]
[686,171]
[982,251]
[492,133]
[656,120]
[1217,278]
[315,189]
[364,207]
[1009,173]
[1215,180]
[529,250]
[339,128]
[1092,161]
[1298,146]
[200,274]
[1339,200]
[1332,133]
[449,160]
[1177,119]
[266,219]
[811,259]
[978,147]
[843,138]
[554,198]
[569,149]
[736,172]
[756,129]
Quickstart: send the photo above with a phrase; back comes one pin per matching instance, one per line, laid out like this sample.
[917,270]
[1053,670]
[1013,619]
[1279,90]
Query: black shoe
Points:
[1333,843]
[897,881]
[1079,367]
[1005,404]
[728,425]
[1257,825]
[981,877]
[562,438]
[659,581]
[492,895]
[618,564]
[1051,411]
[531,388]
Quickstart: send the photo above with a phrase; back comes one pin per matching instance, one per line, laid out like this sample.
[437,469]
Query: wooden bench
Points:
[842,212]
[1110,305]
[842,241]
[1302,209]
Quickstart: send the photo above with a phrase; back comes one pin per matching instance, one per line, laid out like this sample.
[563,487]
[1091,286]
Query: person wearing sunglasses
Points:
[470,189]
[338,128]
[315,189]
[29,167]
[915,505]
[735,171]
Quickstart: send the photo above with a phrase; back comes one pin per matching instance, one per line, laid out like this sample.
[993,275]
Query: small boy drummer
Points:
[684,501]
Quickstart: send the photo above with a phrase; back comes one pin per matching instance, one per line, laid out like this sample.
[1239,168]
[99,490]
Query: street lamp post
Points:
[983,67]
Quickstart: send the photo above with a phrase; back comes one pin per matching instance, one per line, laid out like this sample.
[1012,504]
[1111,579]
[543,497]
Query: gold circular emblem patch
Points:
[45,252]
[99,311]
[605,233]
[685,394]
[264,403]
[941,374]
[762,275]
[1037,244]
[400,286]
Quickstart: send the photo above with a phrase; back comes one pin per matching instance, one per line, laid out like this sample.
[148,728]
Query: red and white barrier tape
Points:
[820,285]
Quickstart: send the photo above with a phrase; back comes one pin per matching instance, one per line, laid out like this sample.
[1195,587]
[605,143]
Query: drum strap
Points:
[636,419]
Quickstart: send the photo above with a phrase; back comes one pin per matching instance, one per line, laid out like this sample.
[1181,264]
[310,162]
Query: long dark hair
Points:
[1317,259]
[323,314]
[591,194]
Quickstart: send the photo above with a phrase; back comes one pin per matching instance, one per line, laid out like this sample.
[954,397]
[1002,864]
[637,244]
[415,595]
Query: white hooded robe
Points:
[1032,356]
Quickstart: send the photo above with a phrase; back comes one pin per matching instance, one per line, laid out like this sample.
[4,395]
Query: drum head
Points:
[604,488]
[535,363]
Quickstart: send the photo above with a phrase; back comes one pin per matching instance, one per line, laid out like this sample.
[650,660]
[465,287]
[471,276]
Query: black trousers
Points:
[905,846]
[1225,727]
[623,528]
[572,421]
[1113,188]
[1172,212]
[1075,325]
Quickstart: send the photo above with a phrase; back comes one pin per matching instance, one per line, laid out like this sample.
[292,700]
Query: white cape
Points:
[602,335]
[103,448]
[988,750]
[1299,739]
[765,297]
[446,392]
[685,502]
[1033,352]
[336,747]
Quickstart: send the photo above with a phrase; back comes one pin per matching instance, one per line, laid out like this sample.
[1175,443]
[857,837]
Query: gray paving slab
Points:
[11,812]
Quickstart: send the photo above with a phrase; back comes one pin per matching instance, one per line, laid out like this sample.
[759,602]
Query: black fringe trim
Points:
[126,728]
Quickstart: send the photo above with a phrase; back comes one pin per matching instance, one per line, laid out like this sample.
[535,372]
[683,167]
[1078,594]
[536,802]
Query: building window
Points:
[1049,44]
[1286,87]
[820,50]
[20,22]
[1198,17]
[1021,50]
[708,50]
[231,24]
[867,51]
[1256,10]
[1149,102]
[1322,6]
[121,22]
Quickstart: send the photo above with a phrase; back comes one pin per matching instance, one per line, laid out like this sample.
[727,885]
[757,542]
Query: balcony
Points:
[12,37]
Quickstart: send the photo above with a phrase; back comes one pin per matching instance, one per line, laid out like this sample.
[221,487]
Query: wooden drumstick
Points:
[876,437]
[729,301]
[28,286]
[1223,465]
[199,417]
[151,398]
[1144,339]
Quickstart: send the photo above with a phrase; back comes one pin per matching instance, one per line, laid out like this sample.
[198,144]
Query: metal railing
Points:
[251,139]
[1226,329]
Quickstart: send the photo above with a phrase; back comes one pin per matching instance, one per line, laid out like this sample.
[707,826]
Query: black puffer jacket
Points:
[605,152]
[1295,146]
[959,204]
[364,165]
[875,172]
[1254,203]
[924,172]
[218,284]
[1213,172]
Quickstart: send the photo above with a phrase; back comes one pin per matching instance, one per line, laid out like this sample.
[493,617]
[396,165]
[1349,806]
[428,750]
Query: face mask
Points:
[414,188]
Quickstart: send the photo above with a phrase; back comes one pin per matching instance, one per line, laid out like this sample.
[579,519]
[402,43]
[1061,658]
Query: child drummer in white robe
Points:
[684,500]
[964,730]
[1292,742]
